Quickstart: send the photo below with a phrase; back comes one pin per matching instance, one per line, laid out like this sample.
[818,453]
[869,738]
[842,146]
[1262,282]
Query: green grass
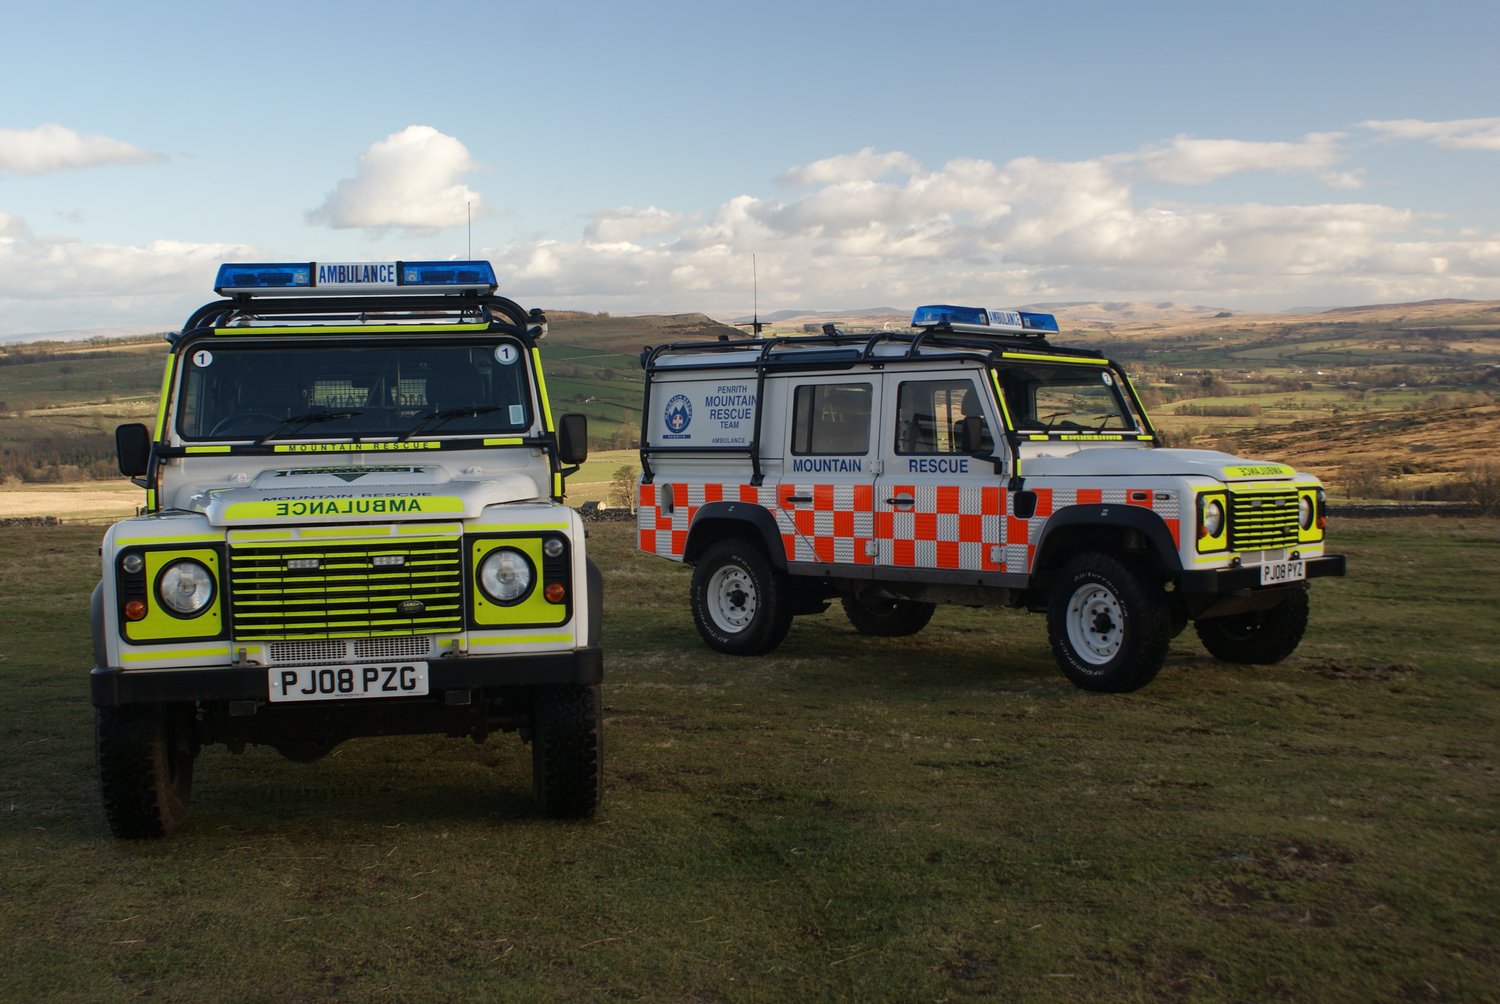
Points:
[934,818]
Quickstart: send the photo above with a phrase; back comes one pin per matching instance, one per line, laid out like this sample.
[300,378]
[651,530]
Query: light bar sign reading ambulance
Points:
[983,320]
[345,278]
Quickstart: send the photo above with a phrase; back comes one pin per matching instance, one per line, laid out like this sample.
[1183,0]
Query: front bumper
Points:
[111,686]
[1226,581]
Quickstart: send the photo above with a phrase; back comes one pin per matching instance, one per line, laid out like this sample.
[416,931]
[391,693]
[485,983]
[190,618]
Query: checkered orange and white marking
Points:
[947,527]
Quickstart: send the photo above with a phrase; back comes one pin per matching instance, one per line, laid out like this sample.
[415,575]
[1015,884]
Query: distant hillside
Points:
[1390,399]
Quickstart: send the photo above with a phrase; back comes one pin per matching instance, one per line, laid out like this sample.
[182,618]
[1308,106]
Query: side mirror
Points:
[133,449]
[573,438]
[971,434]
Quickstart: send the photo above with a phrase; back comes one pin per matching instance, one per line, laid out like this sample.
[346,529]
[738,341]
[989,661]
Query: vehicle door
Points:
[938,507]
[825,498]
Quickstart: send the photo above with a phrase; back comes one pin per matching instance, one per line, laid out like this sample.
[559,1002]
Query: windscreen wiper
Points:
[298,421]
[433,419]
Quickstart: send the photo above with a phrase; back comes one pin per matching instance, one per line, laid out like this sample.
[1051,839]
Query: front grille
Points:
[340,590]
[347,650]
[1262,520]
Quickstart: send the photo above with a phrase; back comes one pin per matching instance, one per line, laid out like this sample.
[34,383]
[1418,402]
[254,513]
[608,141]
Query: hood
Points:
[1159,462]
[360,494]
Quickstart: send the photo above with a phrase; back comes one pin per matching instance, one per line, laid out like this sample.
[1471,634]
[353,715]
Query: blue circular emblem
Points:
[679,413]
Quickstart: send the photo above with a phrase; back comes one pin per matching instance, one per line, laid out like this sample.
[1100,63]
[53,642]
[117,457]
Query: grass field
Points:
[934,818]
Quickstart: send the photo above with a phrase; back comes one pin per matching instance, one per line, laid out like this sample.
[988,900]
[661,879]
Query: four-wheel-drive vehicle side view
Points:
[353,526]
[967,460]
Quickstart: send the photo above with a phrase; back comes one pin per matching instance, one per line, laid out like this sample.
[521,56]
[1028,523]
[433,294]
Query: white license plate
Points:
[1275,572]
[344,683]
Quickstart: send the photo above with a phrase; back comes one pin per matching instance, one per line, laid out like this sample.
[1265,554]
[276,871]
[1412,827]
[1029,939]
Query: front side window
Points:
[831,418]
[930,416]
[252,390]
[1063,398]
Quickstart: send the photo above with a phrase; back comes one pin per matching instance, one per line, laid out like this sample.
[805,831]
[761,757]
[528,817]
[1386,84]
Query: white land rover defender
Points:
[353,526]
[964,461]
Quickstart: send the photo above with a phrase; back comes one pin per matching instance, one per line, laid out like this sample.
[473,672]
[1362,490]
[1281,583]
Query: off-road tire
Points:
[887,618]
[567,750]
[1260,637]
[1108,623]
[741,603]
[145,756]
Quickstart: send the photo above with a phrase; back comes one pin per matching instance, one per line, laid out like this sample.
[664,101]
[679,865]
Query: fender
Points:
[718,520]
[1095,517]
[595,580]
[96,622]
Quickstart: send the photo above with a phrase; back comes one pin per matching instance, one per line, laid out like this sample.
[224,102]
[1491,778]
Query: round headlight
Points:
[505,575]
[186,587]
[1213,518]
[1305,512]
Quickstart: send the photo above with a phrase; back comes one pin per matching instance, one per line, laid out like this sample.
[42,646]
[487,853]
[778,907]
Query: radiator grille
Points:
[1260,521]
[342,650]
[346,590]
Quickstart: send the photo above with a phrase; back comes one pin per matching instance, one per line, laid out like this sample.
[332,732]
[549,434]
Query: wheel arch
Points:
[1109,528]
[717,520]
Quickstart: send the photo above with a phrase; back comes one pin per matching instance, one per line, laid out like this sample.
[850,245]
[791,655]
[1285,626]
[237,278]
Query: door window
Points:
[831,418]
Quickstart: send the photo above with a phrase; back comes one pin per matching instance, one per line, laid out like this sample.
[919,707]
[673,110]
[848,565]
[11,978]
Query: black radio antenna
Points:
[755,325]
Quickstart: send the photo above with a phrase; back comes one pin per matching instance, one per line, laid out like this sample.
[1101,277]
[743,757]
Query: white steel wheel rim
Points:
[1096,627]
[731,599]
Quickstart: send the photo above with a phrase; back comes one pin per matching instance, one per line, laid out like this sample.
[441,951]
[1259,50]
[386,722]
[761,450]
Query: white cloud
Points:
[848,167]
[408,181]
[53,284]
[1013,232]
[627,224]
[53,147]
[1188,161]
[1454,134]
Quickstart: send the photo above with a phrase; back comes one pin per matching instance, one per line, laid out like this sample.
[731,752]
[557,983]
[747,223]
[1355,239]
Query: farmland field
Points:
[935,818]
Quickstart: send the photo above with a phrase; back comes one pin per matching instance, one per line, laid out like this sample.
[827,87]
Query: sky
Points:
[675,157]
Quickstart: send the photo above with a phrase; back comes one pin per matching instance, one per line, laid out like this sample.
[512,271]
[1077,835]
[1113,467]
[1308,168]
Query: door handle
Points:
[798,498]
[901,500]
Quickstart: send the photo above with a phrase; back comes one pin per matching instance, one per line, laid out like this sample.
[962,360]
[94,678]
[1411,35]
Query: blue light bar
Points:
[465,274]
[942,313]
[356,277]
[1038,322]
[248,278]
[981,320]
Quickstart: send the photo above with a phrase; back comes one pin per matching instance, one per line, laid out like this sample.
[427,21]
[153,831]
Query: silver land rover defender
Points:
[353,525]
[967,460]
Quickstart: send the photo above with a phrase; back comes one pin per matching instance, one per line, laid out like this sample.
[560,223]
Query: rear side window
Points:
[831,418]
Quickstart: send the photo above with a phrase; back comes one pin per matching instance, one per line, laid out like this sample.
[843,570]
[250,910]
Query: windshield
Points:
[1063,398]
[266,391]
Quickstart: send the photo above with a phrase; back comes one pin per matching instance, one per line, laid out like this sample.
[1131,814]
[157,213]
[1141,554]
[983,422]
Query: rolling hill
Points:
[1394,394]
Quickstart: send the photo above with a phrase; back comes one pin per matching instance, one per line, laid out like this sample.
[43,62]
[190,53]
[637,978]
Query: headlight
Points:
[1305,512]
[505,575]
[1213,518]
[185,587]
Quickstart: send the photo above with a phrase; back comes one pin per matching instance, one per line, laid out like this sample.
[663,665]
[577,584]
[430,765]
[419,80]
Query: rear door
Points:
[825,498]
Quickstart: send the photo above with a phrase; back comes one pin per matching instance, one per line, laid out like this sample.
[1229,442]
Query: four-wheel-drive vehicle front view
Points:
[353,526]
[969,461]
